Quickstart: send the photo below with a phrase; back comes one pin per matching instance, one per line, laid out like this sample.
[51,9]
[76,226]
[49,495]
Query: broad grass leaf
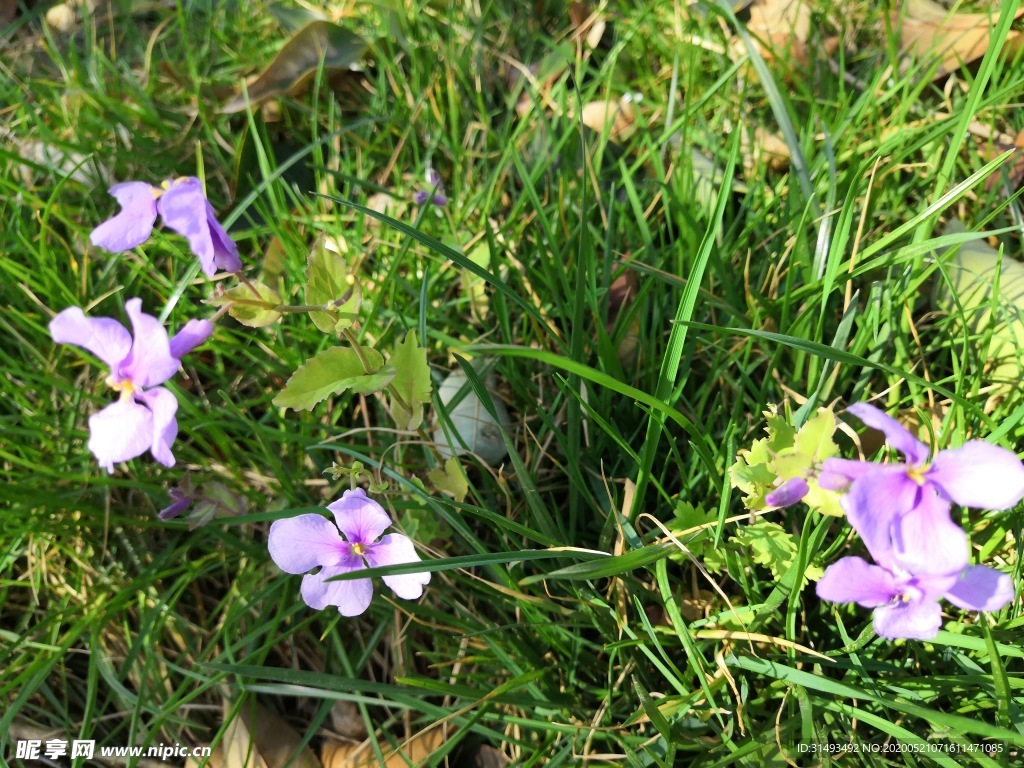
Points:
[254,311]
[299,60]
[974,271]
[328,283]
[474,288]
[331,372]
[412,382]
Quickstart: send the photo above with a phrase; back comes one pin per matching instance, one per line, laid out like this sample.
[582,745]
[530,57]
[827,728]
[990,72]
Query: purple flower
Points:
[183,207]
[435,197]
[299,544]
[143,417]
[902,510]
[789,493]
[907,605]
[180,501]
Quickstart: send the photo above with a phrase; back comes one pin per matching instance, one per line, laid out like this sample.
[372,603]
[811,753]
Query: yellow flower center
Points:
[917,473]
[359,549]
[125,387]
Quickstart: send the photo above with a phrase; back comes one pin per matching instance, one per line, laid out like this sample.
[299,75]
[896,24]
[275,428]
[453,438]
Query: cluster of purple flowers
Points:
[902,513]
[143,418]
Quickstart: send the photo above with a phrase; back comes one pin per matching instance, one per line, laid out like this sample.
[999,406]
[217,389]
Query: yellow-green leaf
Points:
[334,371]
[451,480]
[255,310]
[412,382]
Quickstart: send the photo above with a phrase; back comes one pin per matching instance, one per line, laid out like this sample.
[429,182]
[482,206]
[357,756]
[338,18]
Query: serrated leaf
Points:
[772,546]
[329,284]
[331,372]
[814,440]
[412,382]
[252,310]
[299,60]
[451,480]
[422,525]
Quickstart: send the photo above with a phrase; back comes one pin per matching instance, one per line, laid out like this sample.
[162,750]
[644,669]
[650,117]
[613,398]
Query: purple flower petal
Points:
[875,502]
[134,224]
[854,580]
[225,252]
[979,474]
[164,406]
[420,197]
[362,520]
[896,435]
[191,336]
[790,492]
[183,208]
[980,588]
[913,620]
[837,474]
[351,597]
[121,431]
[179,503]
[300,544]
[102,336]
[149,362]
[394,549]
[926,541]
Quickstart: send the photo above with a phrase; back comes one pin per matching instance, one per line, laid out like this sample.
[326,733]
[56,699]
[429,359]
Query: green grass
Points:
[809,286]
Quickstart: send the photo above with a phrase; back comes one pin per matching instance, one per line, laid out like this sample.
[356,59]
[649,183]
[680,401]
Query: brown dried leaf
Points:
[598,114]
[299,60]
[258,738]
[928,29]
[337,754]
[587,24]
[783,26]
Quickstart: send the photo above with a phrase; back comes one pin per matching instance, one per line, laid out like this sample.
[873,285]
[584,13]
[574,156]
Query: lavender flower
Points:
[299,544]
[907,505]
[183,207]
[907,605]
[906,600]
[434,195]
[143,418]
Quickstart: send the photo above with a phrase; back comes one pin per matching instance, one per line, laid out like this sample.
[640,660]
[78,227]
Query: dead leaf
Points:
[299,60]
[762,148]
[8,10]
[783,27]
[484,756]
[587,24]
[928,29]
[258,738]
[347,722]
[337,754]
[64,16]
[597,115]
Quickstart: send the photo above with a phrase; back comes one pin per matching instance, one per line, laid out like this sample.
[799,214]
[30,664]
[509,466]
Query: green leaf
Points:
[814,439]
[422,525]
[338,49]
[772,546]
[412,382]
[451,480]
[255,311]
[473,287]
[328,284]
[331,372]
